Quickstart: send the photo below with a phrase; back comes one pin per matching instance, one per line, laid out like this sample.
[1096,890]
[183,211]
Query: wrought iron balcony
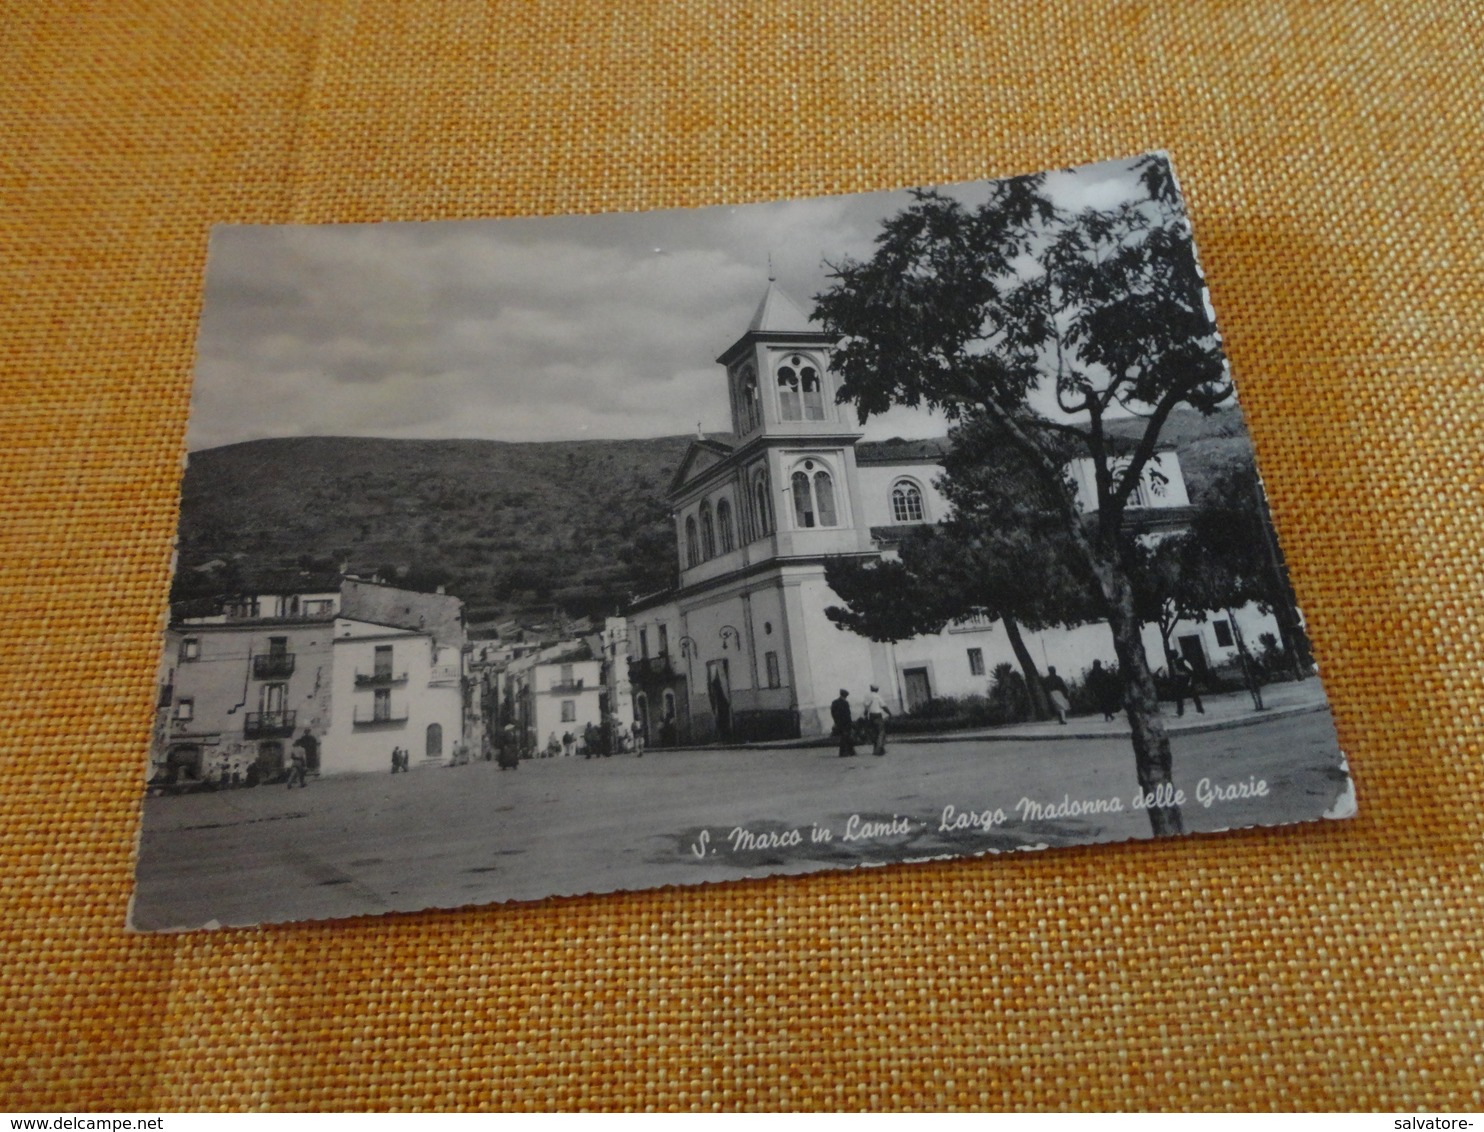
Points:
[378,717]
[379,679]
[273,666]
[650,668]
[566,688]
[269,724]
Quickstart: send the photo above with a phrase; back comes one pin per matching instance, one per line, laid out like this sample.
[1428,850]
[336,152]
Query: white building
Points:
[556,691]
[742,647]
[343,674]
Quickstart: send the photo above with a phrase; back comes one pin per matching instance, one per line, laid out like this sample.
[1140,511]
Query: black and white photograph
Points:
[542,557]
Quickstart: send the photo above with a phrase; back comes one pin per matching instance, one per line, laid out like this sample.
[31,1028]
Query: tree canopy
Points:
[1031,320]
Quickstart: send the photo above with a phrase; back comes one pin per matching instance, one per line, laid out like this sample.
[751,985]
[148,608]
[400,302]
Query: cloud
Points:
[512,329]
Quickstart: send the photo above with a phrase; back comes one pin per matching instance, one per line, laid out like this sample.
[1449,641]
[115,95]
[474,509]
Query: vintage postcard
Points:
[529,558]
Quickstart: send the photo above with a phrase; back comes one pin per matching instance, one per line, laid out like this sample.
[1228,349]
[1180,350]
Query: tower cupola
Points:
[778,372]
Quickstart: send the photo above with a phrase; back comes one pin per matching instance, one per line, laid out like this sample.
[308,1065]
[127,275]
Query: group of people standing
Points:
[612,738]
[1106,689]
[1103,685]
[874,711]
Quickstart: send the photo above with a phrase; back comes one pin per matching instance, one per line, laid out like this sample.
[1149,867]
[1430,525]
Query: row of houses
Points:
[343,669]
[346,670]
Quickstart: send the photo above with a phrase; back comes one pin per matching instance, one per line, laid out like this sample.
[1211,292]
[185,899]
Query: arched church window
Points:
[708,532]
[824,498]
[763,505]
[800,390]
[814,497]
[724,526]
[803,501]
[906,503]
[692,543]
[749,408]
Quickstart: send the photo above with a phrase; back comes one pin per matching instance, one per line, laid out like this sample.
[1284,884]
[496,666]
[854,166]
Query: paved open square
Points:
[452,836]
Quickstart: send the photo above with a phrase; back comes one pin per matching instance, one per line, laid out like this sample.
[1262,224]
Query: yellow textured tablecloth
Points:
[1331,155]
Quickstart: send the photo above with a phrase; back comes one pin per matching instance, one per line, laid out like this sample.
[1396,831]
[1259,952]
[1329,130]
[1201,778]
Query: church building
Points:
[741,649]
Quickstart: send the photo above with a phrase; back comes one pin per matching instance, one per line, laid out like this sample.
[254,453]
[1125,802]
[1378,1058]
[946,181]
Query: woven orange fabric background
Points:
[1331,154]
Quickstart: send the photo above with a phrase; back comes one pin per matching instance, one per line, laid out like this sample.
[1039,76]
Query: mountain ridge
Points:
[512,527]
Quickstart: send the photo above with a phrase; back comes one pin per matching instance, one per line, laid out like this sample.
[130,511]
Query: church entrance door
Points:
[719,692]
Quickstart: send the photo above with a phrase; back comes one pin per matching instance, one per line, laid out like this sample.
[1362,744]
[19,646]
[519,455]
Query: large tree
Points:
[1002,556]
[1037,320]
[1227,558]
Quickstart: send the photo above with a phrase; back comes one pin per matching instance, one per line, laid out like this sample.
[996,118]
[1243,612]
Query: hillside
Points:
[512,528]
[507,526]
[1209,446]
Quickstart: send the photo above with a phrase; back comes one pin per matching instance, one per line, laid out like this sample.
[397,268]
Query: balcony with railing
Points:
[269,724]
[651,670]
[381,678]
[565,687]
[378,716]
[273,666]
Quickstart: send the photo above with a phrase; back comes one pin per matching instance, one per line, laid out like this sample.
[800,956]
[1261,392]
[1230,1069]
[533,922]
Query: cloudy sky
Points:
[534,329]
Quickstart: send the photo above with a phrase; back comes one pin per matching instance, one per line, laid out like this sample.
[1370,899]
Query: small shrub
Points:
[1009,698]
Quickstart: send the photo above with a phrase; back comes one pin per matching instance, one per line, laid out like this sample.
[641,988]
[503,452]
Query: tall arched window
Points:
[814,497]
[906,503]
[800,390]
[708,532]
[803,501]
[762,504]
[692,543]
[824,497]
[749,408]
[724,526]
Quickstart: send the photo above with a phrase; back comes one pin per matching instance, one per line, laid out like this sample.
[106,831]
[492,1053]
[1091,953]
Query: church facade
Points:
[741,649]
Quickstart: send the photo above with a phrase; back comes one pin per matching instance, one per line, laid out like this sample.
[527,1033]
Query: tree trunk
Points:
[1040,708]
[1152,760]
[1249,669]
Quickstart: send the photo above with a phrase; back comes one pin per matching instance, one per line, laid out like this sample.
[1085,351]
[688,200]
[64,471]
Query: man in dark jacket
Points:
[1105,691]
[840,713]
[1182,684]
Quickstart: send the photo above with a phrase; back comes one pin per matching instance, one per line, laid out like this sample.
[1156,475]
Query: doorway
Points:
[719,692]
[919,689]
[310,746]
[641,713]
[1195,655]
[269,764]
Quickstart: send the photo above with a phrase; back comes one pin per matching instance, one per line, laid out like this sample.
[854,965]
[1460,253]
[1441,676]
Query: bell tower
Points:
[778,374]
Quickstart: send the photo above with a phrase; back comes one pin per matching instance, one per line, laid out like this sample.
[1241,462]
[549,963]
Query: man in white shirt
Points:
[876,712]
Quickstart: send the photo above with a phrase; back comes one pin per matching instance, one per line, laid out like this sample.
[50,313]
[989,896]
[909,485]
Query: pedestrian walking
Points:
[1105,692]
[840,713]
[509,756]
[876,712]
[1056,692]
[297,768]
[1182,685]
[638,740]
[569,742]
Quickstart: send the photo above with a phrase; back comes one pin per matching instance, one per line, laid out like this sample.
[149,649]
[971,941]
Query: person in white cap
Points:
[876,712]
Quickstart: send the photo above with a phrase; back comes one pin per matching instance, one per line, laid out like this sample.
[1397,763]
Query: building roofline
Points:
[805,338]
[180,624]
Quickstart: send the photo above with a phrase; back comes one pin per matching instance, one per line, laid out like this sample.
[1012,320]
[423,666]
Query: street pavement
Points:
[453,836]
